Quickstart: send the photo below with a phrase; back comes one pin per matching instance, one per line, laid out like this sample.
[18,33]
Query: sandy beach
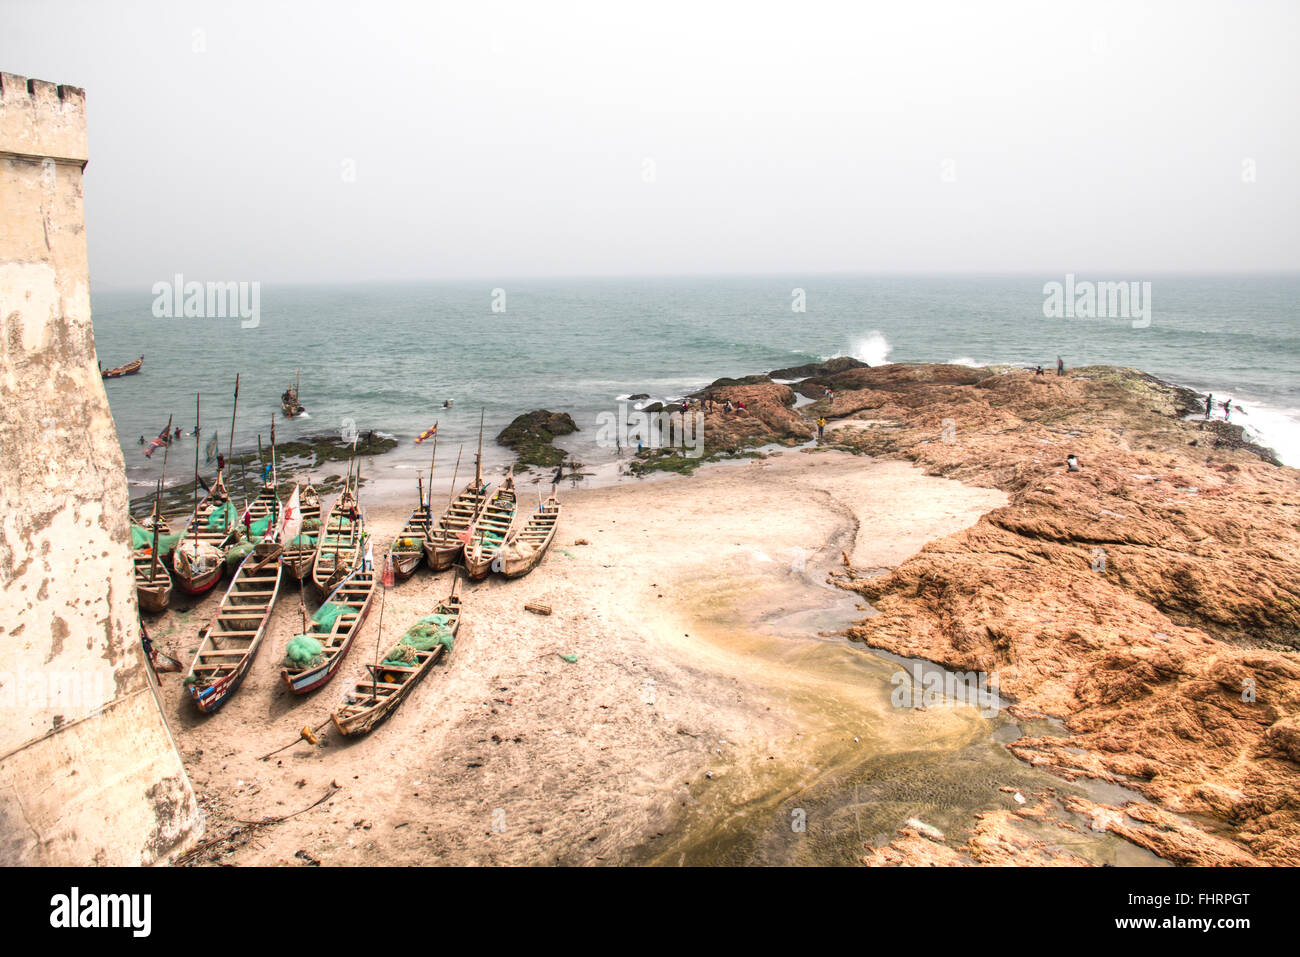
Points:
[709,693]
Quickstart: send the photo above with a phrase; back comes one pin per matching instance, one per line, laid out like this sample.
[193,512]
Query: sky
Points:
[285,142]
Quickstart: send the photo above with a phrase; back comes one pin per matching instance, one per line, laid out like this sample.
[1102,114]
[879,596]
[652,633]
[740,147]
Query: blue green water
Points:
[385,356]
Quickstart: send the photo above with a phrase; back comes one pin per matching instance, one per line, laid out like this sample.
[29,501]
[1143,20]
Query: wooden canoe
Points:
[377,695]
[199,557]
[153,583]
[131,368]
[355,591]
[339,547]
[407,549]
[298,559]
[444,544]
[526,547]
[234,634]
[491,530]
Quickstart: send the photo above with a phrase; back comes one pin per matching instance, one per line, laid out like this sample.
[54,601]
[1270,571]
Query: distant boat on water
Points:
[131,368]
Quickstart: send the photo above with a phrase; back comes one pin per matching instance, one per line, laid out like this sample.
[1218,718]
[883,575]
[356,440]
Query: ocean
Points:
[386,356]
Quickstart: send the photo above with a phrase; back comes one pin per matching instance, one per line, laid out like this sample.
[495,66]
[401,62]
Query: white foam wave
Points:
[873,348]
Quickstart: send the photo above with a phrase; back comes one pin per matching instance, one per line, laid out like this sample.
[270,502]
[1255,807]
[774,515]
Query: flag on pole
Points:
[390,576]
[427,434]
[157,443]
[466,535]
[368,562]
[210,452]
[291,521]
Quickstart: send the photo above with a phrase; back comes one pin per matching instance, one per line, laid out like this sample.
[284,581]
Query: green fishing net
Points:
[304,651]
[237,553]
[328,614]
[303,539]
[426,633]
[310,524]
[223,517]
[259,527]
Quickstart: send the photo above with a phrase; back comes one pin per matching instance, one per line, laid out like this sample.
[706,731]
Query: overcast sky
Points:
[521,139]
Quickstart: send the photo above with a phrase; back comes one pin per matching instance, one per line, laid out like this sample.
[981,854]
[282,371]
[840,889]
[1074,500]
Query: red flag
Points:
[389,578]
[466,535]
[427,434]
[163,438]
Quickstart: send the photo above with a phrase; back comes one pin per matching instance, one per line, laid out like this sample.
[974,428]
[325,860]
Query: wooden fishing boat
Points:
[526,547]
[153,582]
[491,529]
[407,549]
[444,543]
[298,558]
[355,593]
[377,696]
[235,632]
[199,558]
[339,546]
[131,368]
[289,403]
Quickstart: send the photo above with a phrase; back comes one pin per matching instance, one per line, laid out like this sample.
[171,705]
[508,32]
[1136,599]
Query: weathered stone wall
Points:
[88,770]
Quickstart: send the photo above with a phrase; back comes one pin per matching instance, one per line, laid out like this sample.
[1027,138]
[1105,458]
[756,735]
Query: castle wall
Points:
[88,770]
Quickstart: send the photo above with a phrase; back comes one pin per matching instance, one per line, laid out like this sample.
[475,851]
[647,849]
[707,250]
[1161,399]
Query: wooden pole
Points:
[194,516]
[157,502]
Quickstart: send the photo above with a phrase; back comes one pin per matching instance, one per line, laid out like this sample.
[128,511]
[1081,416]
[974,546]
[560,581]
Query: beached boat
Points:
[300,552]
[333,630]
[445,541]
[490,530]
[407,549]
[199,557]
[339,547]
[527,546]
[131,368]
[233,636]
[153,582]
[389,682]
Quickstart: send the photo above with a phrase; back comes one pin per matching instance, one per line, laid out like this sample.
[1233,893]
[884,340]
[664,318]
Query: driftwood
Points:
[537,608]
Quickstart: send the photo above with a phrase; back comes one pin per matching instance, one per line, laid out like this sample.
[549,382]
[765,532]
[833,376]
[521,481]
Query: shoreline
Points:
[385,473]
[890,417]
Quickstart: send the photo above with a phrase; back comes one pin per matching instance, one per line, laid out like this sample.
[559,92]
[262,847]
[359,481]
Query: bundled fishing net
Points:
[193,560]
[259,527]
[236,554]
[302,539]
[327,614]
[223,517]
[304,651]
[406,545]
[423,635]
[310,524]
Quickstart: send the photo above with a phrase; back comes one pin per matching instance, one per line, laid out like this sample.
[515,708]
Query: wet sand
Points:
[711,716]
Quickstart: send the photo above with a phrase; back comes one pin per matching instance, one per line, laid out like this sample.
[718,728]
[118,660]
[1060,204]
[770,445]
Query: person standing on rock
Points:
[1060,366]
[1227,409]
[1209,404]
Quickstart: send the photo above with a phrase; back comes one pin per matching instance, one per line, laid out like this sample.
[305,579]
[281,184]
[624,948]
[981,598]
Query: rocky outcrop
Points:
[1151,600]
[530,435]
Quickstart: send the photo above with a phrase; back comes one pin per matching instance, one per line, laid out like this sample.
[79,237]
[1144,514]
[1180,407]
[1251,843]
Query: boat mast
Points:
[478,459]
[452,493]
[428,509]
[157,503]
[194,519]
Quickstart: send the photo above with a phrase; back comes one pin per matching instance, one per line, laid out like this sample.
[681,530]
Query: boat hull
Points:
[304,681]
